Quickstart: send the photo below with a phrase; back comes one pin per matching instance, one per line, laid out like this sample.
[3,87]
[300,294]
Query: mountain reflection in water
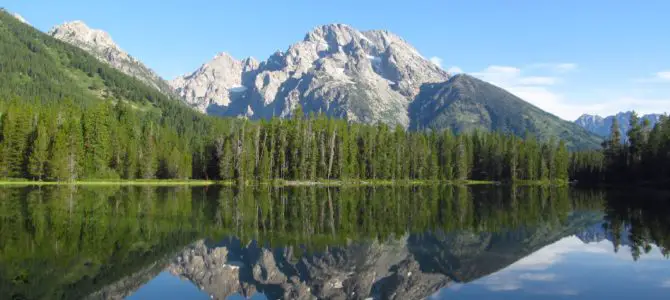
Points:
[314,242]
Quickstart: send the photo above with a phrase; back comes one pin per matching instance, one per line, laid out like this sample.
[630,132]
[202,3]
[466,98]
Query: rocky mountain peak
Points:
[101,45]
[77,32]
[334,34]
[216,83]
[362,76]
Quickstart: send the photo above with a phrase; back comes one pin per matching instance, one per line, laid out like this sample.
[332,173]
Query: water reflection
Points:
[329,243]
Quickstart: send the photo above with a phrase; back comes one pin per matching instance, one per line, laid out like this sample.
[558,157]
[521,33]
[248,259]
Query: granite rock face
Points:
[216,83]
[100,44]
[411,266]
[368,77]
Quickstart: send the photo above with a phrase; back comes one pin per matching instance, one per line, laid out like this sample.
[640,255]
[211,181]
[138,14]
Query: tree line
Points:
[51,231]
[68,141]
[643,156]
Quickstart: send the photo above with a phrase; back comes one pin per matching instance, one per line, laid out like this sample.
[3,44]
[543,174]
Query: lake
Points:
[395,242]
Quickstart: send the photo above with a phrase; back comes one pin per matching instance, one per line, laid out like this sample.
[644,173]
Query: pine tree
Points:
[39,154]
[148,156]
[66,152]
[226,160]
[462,171]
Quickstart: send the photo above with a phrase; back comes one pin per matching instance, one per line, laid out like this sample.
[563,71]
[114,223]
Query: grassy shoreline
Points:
[171,182]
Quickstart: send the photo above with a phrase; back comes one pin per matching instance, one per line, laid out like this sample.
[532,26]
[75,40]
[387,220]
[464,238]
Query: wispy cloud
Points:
[542,85]
[538,276]
[535,83]
[555,67]
[663,75]
[658,77]
[554,253]
[538,80]
[501,283]
[436,61]
[454,70]
[666,283]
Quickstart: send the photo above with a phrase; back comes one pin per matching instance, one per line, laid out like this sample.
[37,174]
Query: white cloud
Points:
[663,75]
[642,105]
[501,283]
[666,283]
[565,67]
[555,67]
[538,276]
[658,77]
[454,70]
[554,253]
[538,80]
[543,85]
[534,88]
[436,61]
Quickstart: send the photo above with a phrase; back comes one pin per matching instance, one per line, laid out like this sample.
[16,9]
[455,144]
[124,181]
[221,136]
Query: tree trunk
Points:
[332,152]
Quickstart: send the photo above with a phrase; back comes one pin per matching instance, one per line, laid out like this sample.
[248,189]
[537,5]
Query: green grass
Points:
[153,182]
[276,182]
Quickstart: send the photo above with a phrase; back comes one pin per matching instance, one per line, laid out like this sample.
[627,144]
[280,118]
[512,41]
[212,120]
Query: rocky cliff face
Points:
[365,76]
[101,45]
[413,266]
[216,83]
[359,271]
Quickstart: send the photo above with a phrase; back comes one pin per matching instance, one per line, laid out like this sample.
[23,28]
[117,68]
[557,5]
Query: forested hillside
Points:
[465,103]
[66,116]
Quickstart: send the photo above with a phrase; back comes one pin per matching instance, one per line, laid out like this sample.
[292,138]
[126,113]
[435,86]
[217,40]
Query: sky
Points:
[568,57]
[569,268]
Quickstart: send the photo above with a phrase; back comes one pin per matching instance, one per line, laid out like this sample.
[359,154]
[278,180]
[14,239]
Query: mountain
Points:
[367,76]
[465,103]
[216,83]
[598,233]
[602,126]
[362,76]
[412,266]
[20,18]
[40,68]
[100,44]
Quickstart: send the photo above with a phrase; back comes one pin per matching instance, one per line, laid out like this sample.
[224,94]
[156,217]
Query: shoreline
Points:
[195,182]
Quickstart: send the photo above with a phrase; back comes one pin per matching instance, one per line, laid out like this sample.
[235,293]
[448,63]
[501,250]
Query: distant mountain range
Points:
[602,126]
[362,76]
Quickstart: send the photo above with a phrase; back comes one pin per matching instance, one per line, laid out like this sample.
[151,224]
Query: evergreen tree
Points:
[39,153]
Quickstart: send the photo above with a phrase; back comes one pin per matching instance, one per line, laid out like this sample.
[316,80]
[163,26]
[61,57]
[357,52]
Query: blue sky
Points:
[568,57]
[569,268]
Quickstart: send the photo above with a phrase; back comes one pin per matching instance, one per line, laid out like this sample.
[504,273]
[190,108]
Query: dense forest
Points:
[643,156]
[67,142]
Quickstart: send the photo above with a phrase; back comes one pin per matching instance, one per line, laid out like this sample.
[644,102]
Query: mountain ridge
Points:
[371,77]
[602,125]
[465,103]
[100,44]
[366,76]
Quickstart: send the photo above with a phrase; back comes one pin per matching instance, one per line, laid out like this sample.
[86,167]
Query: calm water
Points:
[333,243]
